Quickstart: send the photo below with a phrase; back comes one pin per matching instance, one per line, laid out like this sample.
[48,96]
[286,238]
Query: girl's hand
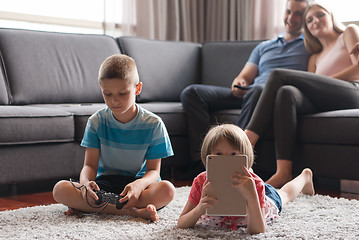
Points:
[131,193]
[87,190]
[206,201]
[244,183]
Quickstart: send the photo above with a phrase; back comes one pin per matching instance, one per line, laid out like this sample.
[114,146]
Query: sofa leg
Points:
[12,189]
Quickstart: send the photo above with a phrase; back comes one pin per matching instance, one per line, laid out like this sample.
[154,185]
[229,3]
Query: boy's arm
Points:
[133,190]
[89,171]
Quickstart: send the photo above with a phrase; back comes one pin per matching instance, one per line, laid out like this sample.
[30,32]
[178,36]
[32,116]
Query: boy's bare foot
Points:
[71,212]
[148,212]
[152,212]
[278,180]
[308,188]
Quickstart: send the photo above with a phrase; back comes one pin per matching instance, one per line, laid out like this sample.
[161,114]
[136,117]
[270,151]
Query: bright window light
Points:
[343,10]
[76,9]
[75,16]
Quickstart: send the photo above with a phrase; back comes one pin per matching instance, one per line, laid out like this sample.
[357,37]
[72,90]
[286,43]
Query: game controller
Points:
[112,198]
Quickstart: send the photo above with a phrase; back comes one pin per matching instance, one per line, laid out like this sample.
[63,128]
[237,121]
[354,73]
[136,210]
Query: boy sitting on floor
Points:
[124,146]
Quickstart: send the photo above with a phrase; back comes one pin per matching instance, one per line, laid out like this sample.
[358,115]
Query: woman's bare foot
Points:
[279,179]
[308,188]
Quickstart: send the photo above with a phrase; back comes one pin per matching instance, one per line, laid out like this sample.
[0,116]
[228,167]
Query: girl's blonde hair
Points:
[234,135]
[312,43]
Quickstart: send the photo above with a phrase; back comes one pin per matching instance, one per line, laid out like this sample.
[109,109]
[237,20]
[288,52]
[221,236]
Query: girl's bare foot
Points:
[279,179]
[308,188]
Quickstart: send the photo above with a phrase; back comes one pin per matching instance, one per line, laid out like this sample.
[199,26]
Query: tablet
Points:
[220,168]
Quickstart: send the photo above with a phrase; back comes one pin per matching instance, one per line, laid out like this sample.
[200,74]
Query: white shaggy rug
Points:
[316,217]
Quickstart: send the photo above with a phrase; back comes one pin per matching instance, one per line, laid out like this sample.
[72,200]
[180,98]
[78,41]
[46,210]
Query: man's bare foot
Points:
[278,180]
[308,188]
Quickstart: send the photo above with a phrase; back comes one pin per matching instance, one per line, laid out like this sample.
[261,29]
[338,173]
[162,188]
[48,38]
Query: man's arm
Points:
[245,77]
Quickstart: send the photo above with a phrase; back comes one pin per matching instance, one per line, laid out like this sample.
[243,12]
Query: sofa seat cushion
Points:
[225,116]
[27,125]
[80,112]
[172,115]
[334,127]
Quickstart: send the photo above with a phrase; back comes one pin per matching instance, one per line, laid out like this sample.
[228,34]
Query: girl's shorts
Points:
[272,193]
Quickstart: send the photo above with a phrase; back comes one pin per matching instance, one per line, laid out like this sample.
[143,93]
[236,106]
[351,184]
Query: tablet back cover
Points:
[220,168]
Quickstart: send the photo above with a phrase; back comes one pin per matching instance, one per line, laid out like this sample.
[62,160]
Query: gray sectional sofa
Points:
[48,89]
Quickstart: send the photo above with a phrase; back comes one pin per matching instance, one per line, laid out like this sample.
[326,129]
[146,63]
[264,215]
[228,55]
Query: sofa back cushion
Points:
[45,67]
[165,67]
[223,61]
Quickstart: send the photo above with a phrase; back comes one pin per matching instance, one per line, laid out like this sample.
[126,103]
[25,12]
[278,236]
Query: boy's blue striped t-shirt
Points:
[125,147]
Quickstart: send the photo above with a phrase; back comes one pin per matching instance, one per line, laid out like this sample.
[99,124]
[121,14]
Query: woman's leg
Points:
[282,175]
[290,102]
[314,93]
[324,92]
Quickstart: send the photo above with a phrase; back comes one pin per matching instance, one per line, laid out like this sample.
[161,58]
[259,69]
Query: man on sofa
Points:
[285,51]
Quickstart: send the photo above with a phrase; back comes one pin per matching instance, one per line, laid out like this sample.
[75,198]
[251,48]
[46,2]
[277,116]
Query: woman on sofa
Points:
[331,83]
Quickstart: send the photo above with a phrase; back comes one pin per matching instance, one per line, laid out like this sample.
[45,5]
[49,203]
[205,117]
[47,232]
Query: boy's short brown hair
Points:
[119,66]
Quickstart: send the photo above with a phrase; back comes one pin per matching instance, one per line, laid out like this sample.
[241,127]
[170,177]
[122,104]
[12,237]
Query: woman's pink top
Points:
[336,60]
